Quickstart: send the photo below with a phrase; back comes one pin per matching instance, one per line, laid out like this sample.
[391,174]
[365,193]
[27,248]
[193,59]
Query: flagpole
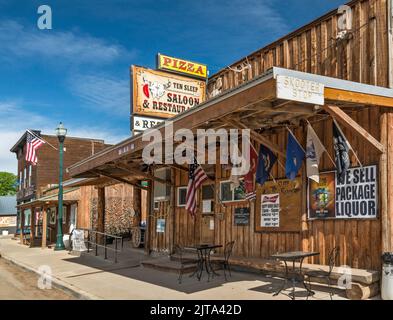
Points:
[349,144]
[289,130]
[33,134]
[328,154]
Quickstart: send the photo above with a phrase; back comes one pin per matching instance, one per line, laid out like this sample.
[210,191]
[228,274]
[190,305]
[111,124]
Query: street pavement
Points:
[19,284]
[92,277]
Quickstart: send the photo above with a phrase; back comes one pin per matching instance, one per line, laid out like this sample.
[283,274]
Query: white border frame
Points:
[178,196]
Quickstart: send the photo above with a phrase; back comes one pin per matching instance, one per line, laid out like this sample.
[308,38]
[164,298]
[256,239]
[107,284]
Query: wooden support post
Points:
[352,125]
[137,204]
[172,213]
[101,212]
[386,177]
[32,226]
[149,220]
[22,225]
[44,228]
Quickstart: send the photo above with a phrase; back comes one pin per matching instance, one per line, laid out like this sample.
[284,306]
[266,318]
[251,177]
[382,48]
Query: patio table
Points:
[204,262]
[295,275]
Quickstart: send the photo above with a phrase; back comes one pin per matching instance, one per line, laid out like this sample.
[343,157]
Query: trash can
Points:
[387,276]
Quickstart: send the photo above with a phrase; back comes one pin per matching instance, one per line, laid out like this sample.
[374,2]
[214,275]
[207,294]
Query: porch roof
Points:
[255,104]
[47,200]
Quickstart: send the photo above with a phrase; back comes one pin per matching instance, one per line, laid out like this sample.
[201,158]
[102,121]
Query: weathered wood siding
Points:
[314,49]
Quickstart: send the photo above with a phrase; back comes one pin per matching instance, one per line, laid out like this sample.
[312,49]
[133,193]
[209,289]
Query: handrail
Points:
[95,243]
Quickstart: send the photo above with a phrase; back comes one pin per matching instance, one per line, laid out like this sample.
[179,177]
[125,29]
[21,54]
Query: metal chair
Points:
[185,263]
[324,275]
[225,261]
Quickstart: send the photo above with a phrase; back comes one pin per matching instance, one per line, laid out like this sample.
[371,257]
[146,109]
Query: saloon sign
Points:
[181,66]
[163,95]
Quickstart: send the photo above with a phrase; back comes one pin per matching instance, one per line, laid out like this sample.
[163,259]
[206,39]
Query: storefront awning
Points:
[272,100]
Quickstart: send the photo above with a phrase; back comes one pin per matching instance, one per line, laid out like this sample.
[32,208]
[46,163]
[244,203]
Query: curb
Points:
[56,282]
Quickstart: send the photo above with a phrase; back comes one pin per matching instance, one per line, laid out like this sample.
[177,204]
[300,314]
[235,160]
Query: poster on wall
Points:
[160,228]
[160,94]
[242,216]
[321,196]
[356,198]
[270,210]
[282,213]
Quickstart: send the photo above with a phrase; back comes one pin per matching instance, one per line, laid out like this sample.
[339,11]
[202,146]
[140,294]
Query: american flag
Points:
[196,178]
[251,196]
[33,143]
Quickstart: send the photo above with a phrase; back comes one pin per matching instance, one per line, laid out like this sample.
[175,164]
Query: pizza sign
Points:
[163,95]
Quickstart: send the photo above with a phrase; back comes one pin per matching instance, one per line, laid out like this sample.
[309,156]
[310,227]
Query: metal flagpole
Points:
[350,146]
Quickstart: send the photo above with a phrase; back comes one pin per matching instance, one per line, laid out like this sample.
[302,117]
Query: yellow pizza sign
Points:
[182,66]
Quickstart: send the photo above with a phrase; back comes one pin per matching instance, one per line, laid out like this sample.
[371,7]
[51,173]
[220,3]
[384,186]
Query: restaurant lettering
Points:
[162,95]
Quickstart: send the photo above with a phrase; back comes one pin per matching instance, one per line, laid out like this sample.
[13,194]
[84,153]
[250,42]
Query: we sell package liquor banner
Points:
[356,198]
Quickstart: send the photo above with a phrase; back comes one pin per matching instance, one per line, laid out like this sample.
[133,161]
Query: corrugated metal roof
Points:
[7,205]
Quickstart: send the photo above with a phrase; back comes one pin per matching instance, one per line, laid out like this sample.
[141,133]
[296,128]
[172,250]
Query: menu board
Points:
[270,210]
[278,206]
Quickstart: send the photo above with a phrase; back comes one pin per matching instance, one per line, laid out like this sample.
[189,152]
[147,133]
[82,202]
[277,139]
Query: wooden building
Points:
[355,70]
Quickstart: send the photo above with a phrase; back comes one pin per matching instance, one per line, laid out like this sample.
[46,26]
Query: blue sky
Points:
[78,72]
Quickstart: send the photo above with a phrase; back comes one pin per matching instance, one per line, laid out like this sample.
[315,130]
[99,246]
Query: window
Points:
[24,178]
[228,194]
[181,196]
[20,180]
[162,191]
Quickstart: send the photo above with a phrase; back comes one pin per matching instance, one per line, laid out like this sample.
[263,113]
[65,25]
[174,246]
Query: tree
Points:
[7,183]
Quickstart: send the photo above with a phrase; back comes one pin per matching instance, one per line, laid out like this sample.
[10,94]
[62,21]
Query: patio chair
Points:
[224,262]
[185,263]
[324,275]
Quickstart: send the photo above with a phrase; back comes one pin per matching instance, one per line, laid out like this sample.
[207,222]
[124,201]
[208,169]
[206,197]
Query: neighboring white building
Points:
[7,214]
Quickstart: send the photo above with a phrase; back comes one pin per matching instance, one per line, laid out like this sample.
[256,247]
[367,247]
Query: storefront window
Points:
[228,194]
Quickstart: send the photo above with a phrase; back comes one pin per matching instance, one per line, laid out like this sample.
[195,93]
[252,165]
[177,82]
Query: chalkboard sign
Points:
[242,216]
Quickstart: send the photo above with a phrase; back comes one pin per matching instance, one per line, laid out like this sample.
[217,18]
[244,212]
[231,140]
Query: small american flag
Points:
[33,143]
[196,178]
[251,196]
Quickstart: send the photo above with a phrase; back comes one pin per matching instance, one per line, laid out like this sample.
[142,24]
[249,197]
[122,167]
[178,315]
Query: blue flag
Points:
[295,157]
[266,161]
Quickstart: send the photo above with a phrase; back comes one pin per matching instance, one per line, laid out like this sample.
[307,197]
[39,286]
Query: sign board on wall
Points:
[356,198]
[164,95]
[140,124]
[290,88]
[289,202]
[182,66]
[7,221]
[270,210]
[160,227]
[242,216]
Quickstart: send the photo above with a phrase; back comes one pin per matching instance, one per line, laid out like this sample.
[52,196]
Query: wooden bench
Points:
[365,283]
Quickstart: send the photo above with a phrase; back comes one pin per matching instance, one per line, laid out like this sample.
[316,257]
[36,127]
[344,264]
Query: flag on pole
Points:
[295,157]
[341,149]
[266,161]
[32,144]
[249,177]
[314,151]
[251,196]
[196,177]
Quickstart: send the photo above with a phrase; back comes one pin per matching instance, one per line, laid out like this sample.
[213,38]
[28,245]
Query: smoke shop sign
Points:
[163,95]
[355,198]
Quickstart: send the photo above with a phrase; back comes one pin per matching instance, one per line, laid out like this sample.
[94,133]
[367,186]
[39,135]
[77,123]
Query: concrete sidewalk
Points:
[90,277]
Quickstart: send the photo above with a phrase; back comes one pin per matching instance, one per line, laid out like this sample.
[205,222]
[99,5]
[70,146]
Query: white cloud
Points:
[12,128]
[17,40]
[103,92]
